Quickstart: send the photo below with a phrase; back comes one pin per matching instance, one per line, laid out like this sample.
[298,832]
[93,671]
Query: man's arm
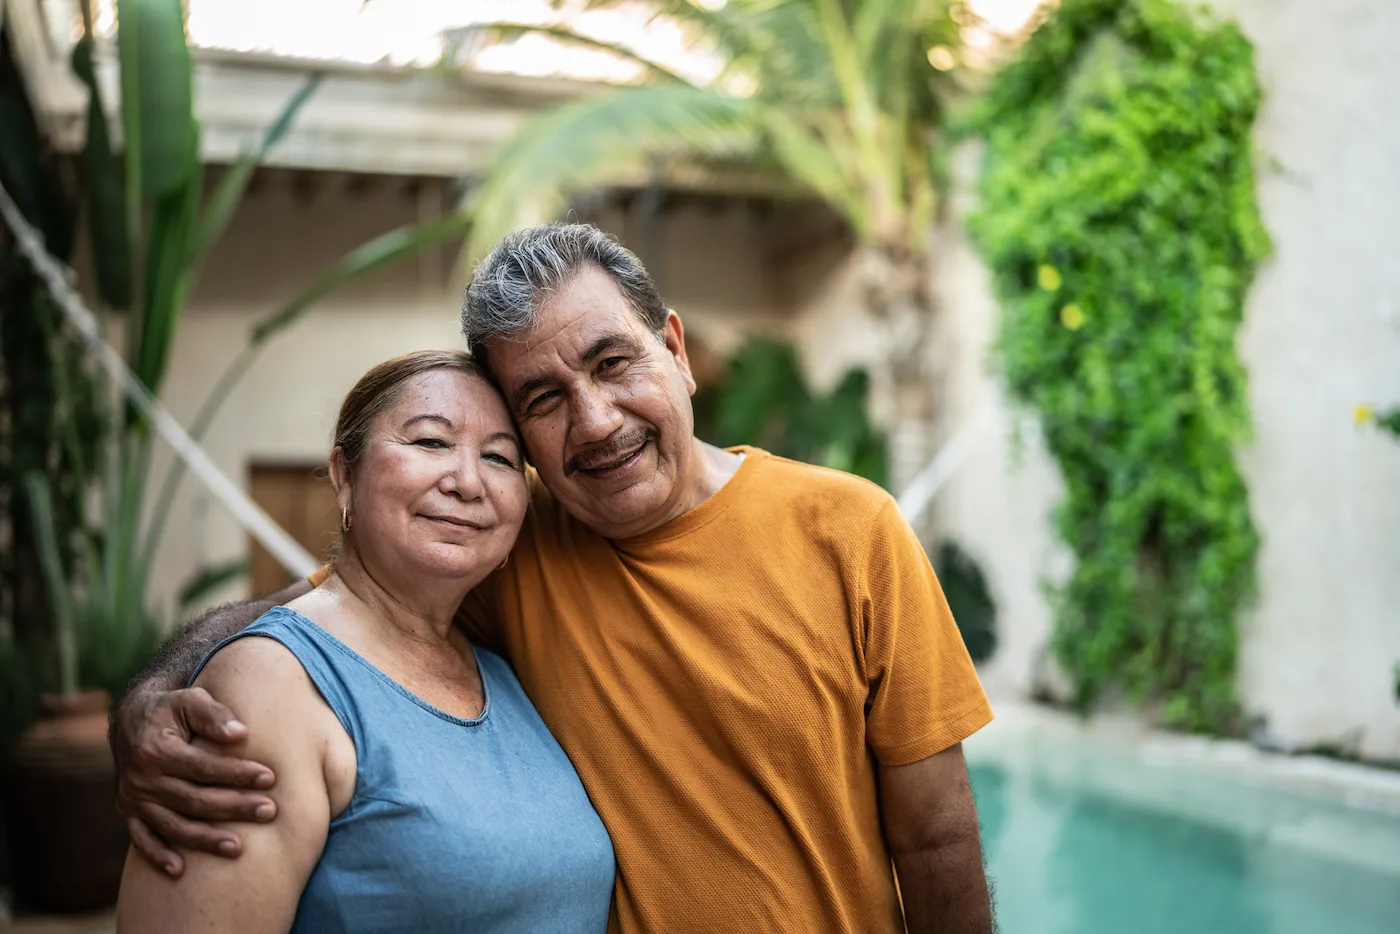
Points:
[169,788]
[930,824]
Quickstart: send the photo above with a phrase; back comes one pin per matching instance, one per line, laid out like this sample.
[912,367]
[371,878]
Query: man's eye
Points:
[542,400]
[612,363]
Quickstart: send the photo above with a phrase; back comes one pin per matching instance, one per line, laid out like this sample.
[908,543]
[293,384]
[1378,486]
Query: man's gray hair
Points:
[510,284]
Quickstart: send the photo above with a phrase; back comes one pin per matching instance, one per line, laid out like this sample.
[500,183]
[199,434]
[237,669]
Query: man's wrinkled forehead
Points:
[568,334]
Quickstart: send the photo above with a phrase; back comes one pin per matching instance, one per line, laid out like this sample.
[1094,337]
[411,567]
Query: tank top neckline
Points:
[486,691]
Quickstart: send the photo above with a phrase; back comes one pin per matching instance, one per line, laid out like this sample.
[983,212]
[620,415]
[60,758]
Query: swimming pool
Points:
[1096,838]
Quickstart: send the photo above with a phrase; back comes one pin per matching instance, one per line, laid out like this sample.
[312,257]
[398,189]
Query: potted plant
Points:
[67,838]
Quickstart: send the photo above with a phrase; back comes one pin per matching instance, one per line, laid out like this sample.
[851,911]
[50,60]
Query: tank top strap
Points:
[323,659]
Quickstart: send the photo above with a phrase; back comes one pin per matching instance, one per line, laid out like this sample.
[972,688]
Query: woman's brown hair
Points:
[378,389]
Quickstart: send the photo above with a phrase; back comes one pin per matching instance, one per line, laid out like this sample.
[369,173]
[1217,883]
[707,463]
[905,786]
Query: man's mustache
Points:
[609,449]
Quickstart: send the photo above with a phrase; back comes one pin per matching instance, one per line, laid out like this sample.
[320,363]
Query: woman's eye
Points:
[500,459]
[431,443]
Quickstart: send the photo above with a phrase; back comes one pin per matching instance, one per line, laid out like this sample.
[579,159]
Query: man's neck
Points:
[717,467]
[710,468]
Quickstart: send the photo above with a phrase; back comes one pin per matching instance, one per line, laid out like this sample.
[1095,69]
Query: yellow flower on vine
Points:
[1048,277]
[1072,317]
[1363,413]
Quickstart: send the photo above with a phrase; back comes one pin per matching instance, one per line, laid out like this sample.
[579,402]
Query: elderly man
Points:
[748,660]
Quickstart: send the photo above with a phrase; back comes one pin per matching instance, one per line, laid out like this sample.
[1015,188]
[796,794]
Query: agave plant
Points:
[836,97]
[151,226]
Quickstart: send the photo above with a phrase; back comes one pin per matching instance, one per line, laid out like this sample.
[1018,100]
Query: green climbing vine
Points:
[1117,215]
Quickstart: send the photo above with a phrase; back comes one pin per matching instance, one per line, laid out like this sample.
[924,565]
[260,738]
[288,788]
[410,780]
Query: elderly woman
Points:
[418,789]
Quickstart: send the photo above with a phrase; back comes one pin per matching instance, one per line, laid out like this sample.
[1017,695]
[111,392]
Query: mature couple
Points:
[748,662]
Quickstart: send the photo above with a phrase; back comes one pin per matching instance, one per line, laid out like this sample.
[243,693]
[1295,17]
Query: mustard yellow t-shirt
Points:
[725,686]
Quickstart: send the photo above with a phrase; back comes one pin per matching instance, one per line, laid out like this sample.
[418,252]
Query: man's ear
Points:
[674,336]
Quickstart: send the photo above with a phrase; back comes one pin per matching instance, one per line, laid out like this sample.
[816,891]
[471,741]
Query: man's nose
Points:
[594,415]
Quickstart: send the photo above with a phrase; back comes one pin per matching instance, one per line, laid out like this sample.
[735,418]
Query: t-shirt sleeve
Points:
[924,693]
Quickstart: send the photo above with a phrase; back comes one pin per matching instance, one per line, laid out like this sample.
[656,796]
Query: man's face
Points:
[603,404]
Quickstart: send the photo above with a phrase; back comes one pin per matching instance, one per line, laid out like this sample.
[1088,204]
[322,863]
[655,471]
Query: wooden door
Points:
[300,499]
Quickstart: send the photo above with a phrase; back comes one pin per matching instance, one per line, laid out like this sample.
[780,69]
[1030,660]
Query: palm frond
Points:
[499,32]
[733,33]
[816,159]
[606,139]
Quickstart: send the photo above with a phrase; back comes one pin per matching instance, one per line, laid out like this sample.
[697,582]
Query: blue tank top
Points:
[455,825]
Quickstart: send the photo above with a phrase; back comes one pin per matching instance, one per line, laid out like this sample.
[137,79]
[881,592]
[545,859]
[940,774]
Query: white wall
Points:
[1322,333]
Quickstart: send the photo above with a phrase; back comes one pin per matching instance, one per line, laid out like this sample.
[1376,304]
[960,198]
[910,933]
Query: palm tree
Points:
[837,97]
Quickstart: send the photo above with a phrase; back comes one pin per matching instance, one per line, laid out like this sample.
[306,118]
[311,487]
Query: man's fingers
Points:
[182,760]
[193,835]
[209,718]
[151,847]
[206,802]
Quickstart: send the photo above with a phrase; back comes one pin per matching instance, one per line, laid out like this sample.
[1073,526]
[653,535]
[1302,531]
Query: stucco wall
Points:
[1322,333]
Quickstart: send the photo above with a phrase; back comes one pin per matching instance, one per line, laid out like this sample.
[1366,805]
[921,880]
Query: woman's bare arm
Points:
[168,787]
[291,729]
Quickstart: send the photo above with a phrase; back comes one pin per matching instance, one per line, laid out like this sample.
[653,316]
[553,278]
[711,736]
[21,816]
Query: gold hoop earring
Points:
[505,562]
[344,518]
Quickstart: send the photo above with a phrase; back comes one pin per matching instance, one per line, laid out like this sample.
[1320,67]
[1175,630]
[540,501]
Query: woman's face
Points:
[440,489]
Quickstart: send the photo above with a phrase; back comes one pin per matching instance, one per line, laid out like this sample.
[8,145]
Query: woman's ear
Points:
[340,477]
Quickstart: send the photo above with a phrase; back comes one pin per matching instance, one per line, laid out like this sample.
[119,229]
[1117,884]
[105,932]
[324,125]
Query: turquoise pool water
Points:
[1096,846]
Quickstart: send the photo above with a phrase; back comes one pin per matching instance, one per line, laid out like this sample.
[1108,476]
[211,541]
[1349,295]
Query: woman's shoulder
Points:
[254,664]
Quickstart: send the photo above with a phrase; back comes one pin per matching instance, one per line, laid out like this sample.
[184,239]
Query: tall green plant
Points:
[41,428]
[1118,218]
[838,97]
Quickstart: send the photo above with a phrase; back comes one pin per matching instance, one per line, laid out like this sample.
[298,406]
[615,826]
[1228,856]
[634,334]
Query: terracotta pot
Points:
[67,842]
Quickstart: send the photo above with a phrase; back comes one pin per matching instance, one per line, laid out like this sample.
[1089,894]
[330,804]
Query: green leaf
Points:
[105,189]
[381,251]
[26,174]
[226,198]
[816,162]
[172,226]
[36,487]
[157,95]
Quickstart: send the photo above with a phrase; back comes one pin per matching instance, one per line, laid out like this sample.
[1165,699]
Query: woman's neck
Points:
[421,612]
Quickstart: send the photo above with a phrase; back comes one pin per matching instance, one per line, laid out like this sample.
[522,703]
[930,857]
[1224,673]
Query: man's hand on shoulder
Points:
[168,788]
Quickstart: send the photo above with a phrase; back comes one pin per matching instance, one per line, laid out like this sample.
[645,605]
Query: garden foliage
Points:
[1117,214]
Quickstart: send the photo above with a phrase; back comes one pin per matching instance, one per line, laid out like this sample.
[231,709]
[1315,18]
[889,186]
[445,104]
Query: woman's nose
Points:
[464,479]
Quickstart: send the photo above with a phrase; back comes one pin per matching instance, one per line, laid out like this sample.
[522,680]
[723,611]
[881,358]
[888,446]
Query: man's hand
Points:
[170,789]
[930,823]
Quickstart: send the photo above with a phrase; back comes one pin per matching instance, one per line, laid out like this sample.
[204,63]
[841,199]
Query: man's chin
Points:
[632,510]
